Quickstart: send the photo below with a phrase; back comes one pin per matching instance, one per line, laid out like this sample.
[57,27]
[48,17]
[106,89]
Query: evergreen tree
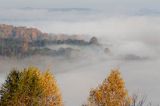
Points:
[9,89]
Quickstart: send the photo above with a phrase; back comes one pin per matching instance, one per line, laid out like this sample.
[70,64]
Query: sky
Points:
[107,7]
[110,4]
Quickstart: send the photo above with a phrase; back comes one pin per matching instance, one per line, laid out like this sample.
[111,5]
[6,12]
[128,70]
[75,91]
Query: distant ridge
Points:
[24,41]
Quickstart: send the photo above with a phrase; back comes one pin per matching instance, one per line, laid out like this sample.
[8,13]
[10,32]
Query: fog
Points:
[132,38]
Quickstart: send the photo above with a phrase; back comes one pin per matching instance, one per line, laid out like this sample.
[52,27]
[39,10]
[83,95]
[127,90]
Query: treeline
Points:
[31,87]
[23,41]
[22,47]
[10,47]
[17,47]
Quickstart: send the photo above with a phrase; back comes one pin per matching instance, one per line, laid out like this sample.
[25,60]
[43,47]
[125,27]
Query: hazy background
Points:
[130,29]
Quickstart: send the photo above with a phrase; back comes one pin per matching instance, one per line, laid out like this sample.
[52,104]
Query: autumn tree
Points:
[30,87]
[111,92]
[51,92]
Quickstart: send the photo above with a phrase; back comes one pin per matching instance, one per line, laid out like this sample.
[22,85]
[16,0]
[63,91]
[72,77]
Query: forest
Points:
[23,41]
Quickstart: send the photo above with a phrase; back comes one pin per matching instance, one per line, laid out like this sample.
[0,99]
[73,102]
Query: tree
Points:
[9,89]
[111,92]
[30,87]
[52,95]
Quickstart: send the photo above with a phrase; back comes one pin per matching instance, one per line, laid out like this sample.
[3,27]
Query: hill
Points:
[24,41]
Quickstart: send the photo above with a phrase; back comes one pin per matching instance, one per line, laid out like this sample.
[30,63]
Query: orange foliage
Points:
[52,95]
[112,92]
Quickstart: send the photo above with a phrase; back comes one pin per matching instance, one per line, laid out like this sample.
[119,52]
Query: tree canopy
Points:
[30,87]
[111,92]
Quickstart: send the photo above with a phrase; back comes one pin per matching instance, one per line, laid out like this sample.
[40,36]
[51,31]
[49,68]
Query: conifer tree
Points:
[9,89]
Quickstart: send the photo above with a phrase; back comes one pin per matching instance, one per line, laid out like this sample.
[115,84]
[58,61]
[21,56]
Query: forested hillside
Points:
[23,41]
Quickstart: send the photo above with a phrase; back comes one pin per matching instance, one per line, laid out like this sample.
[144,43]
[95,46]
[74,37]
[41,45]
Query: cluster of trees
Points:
[10,47]
[23,41]
[92,41]
[18,47]
[30,87]
[22,47]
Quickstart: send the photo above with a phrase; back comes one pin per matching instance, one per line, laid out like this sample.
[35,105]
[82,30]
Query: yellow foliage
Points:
[30,87]
[52,95]
[112,92]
